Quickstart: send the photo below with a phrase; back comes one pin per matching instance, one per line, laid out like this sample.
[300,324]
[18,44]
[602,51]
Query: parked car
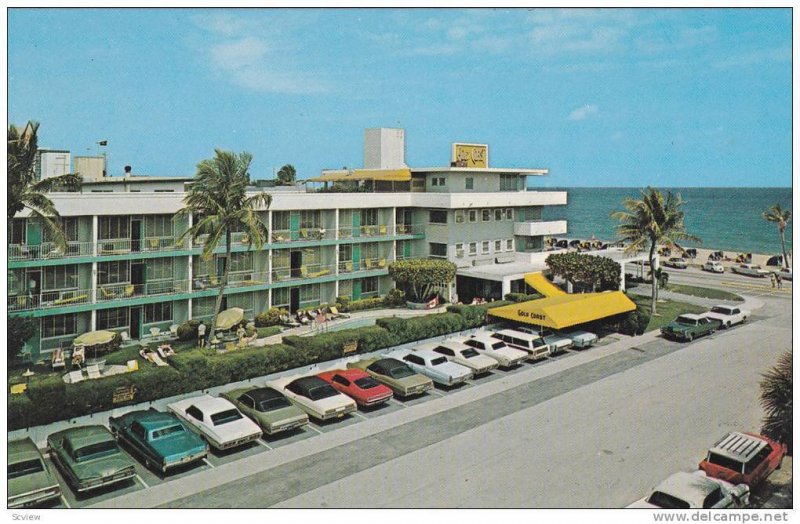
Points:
[714,266]
[316,397]
[695,491]
[579,338]
[689,326]
[784,273]
[487,345]
[435,366]
[400,378]
[160,439]
[358,385]
[743,458]
[462,354]
[676,262]
[217,420]
[728,315]
[30,481]
[268,408]
[751,270]
[554,340]
[533,345]
[89,458]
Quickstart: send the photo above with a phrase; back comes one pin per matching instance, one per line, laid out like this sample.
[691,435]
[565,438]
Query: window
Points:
[68,225]
[138,430]
[369,285]
[459,216]
[473,248]
[509,214]
[445,351]
[485,247]
[280,220]
[508,182]
[713,498]
[441,181]
[160,312]
[486,215]
[369,217]
[280,297]
[459,250]
[434,181]
[158,226]
[414,359]
[60,277]
[310,219]
[469,183]
[473,215]
[247,401]
[194,412]
[437,216]
[112,318]
[280,259]
[725,462]
[498,246]
[340,380]
[113,272]
[165,190]
[509,244]
[241,300]
[309,293]
[438,250]
[498,215]
[60,325]
[17,230]
[241,262]
[758,459]
[159,269]
[113,227]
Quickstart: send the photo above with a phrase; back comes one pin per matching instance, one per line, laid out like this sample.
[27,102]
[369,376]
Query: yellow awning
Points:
[562,311]
[385,175]
[542,286]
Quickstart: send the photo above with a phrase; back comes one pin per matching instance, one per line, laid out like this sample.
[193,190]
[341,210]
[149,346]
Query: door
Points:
[356,224]
[296,262]
[294,299]
[294,226]
[34,238]
[34,286]
[406,251]
[136,235]
[356,257]
[136,322]
[357,289]
[138,275]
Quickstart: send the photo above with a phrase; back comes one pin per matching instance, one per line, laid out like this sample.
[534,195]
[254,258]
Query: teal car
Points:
[89,458]
[161,440]
[30,481]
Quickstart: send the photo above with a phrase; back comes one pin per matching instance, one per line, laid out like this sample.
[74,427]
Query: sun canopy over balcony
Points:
[379,175]
[562,311]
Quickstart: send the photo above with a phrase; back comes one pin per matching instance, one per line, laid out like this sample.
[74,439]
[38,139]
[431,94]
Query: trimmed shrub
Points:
[395,297]
[271,317]
[366,303]
[188,330]
[521,297]
[475,316]
[418,328]
[327,346]
[344,303]
[268,331]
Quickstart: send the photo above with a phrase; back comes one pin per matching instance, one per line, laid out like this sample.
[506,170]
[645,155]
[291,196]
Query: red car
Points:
[358,385]
[743,458]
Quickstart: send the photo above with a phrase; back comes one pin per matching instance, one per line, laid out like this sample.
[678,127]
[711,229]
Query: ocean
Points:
[724,218]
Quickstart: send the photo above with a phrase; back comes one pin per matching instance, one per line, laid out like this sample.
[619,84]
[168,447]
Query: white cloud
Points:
[755,57]
[583,112]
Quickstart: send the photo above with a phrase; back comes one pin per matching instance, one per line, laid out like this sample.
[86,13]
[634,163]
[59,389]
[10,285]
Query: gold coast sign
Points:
[470,155]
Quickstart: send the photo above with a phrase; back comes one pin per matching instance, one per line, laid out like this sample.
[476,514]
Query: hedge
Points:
[327,346]
[475,316]
[417,328]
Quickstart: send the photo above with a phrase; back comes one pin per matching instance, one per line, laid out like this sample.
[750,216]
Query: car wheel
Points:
[727,325]
[689,337]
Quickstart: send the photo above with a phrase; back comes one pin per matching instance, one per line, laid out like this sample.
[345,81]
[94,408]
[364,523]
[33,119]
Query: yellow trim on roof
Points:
[385,175]
[543,286]
[563,311]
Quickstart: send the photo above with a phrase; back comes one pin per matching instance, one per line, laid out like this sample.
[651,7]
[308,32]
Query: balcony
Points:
[381,230]
[235,279]
[125,290]
[365,264]
[49,299]
[304,272]
[304,234]
[48,251]
[540,227]
[124,246]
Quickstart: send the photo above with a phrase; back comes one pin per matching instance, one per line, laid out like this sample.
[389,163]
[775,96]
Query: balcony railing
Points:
[122,246]
[306,271]
[48,250]
[237,279]
[49,299]
[304,234]
[123,291]
[365,264]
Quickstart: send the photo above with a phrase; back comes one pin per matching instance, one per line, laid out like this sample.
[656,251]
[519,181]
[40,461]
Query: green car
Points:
[161,439]
[396,374]
[269,408]
[688,327]
[89,457]
[30,480]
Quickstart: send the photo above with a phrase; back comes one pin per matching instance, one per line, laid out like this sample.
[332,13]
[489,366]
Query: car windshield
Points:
[469,353]
[94,451]
[223,417]
[726,462]
[167,431]
[666,501]
[26,467]
[400,372]
[685,320]
[721,310]
[272,404]
[366,383]
[438,361]
[498,345]
[321,392]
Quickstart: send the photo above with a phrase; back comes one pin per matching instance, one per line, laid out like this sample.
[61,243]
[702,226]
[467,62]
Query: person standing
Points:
[201,335]
[779,281]
[773,279]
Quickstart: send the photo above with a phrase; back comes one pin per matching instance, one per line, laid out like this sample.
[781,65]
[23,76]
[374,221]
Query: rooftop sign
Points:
[470,155]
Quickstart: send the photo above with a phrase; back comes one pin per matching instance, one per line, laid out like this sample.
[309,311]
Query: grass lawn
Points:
[704,292]
[666,310]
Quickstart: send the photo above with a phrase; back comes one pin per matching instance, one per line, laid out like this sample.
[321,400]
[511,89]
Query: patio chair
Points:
[382,262]
[155,332]
[335,313]
[153,243]
[125,337]
[129,289]
[304,234]
[382,230]
[303,272]
[107,293]
[348,266]
[173,330]
[368,263]
[287,321]
[78,355]
[93,371]
[57,359]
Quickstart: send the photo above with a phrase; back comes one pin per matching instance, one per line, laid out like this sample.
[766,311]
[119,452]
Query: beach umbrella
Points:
[94,339]
[229,318]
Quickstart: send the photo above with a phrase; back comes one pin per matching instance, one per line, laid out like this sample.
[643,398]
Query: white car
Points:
[487,345]
[316,397]
[217,420]
[784,273]
[714,266]
[557,342]
[461,354]
[579,338]
[752,270]
[434,366]
[728,315]
[695,491]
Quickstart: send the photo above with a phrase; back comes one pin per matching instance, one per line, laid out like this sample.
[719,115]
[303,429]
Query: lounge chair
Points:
[93,371]
[107,293]
[58,358]
[303,319]
[78,355]
[149,355]
[335,313]
[165,351]
[287,321]
[133,365]
[18,389]
[75,376]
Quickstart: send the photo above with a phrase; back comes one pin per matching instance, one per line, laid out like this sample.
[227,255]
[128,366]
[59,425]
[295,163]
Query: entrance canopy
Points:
[543,286]
[562,311]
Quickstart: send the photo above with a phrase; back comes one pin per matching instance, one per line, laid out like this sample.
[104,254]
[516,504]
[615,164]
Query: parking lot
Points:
[147,478]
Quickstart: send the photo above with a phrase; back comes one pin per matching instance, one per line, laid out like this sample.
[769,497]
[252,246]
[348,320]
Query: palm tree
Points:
[776,399]
[653,220]
[781,217]
[286,175]
[219,202]
[24,191]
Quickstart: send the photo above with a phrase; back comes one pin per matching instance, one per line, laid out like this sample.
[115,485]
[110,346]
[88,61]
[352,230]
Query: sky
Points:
[600,97]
